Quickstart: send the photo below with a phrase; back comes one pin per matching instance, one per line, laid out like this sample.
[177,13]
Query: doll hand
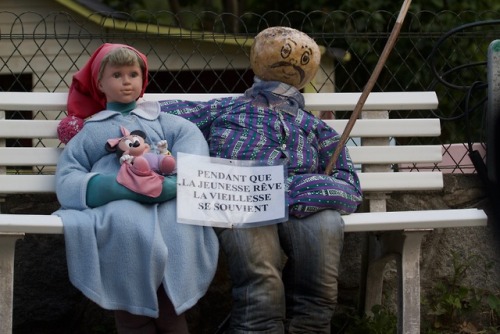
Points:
[126,158]
[162,146]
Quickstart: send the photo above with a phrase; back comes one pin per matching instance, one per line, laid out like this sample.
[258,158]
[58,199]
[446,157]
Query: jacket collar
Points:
[275,95]
[148,110]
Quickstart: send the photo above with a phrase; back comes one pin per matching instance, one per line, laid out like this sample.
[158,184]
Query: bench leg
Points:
[375,281]
[405,248]
[7,249]
[409,274]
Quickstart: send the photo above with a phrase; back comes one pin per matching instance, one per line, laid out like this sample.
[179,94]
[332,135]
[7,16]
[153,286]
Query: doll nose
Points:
[136,144]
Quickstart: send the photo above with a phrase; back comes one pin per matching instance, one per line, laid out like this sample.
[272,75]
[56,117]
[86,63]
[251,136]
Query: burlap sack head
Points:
[286,55]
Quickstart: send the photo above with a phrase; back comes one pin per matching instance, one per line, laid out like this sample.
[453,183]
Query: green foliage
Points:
[453,306]
[382,321]
[261,7]
[430,5]
[126,6]
[457,308]
[362,27]
[494,304]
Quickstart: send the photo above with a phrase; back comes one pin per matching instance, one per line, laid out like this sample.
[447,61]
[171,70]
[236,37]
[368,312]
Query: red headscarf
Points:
[84,97]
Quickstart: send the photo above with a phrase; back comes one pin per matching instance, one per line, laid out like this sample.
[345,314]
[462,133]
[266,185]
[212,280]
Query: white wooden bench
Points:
[400,232]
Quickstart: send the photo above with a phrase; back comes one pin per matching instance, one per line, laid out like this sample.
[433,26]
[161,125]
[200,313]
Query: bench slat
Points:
[379,181]
[28,184]
[401,181]
[324,101]
[426,219]
[395,154]
[48,156]
[45,224]
[362,128]
[28,128]
[29,156]
[375,101]
[356,222]
[408,127]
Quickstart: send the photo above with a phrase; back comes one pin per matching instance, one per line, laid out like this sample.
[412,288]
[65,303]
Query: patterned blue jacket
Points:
[269,123]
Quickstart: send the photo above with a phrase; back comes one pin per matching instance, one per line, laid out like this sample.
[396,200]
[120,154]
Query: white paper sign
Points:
[229,193]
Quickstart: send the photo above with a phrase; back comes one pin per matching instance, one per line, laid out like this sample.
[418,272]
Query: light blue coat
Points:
[119,254]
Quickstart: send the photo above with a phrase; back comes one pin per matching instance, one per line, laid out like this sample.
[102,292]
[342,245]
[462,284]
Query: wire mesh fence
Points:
[206,52]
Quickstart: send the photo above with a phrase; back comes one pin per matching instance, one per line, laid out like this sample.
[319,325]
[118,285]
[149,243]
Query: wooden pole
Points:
[369,85]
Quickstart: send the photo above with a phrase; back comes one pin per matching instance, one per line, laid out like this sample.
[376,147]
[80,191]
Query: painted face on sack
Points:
[286,55]
[293,58]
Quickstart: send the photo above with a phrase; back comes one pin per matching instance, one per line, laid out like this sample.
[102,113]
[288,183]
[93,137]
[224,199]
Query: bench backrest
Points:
[375,156]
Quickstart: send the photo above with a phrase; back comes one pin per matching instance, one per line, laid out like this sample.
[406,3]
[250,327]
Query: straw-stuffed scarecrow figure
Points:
[269,124]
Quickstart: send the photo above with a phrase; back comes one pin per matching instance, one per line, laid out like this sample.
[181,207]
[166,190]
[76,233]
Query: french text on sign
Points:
[229,193]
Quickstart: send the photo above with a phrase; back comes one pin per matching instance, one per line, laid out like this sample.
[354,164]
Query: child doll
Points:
[125,250]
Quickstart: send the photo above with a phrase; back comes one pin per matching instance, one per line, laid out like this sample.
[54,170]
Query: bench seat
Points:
[356,222]
[30,170]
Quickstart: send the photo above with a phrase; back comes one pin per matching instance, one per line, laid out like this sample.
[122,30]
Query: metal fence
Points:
[208,52]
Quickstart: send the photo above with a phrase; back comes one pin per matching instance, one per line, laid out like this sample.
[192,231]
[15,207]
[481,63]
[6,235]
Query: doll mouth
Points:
[298,69]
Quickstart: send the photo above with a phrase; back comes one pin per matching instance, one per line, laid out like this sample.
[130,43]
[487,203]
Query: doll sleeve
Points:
[103,188]
[79,187]
[73,173]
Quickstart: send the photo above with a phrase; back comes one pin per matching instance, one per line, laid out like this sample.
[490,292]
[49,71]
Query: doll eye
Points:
[129,143]
[306,57]
[286,50]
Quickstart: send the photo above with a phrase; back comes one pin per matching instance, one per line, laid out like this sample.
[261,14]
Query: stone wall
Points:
[46,302]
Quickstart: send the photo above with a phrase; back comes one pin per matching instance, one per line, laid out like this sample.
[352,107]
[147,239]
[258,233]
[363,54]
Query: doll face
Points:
[286,55]
[122,83]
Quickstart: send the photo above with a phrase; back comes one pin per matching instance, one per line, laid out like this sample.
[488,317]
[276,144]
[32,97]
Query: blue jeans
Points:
[284,276]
